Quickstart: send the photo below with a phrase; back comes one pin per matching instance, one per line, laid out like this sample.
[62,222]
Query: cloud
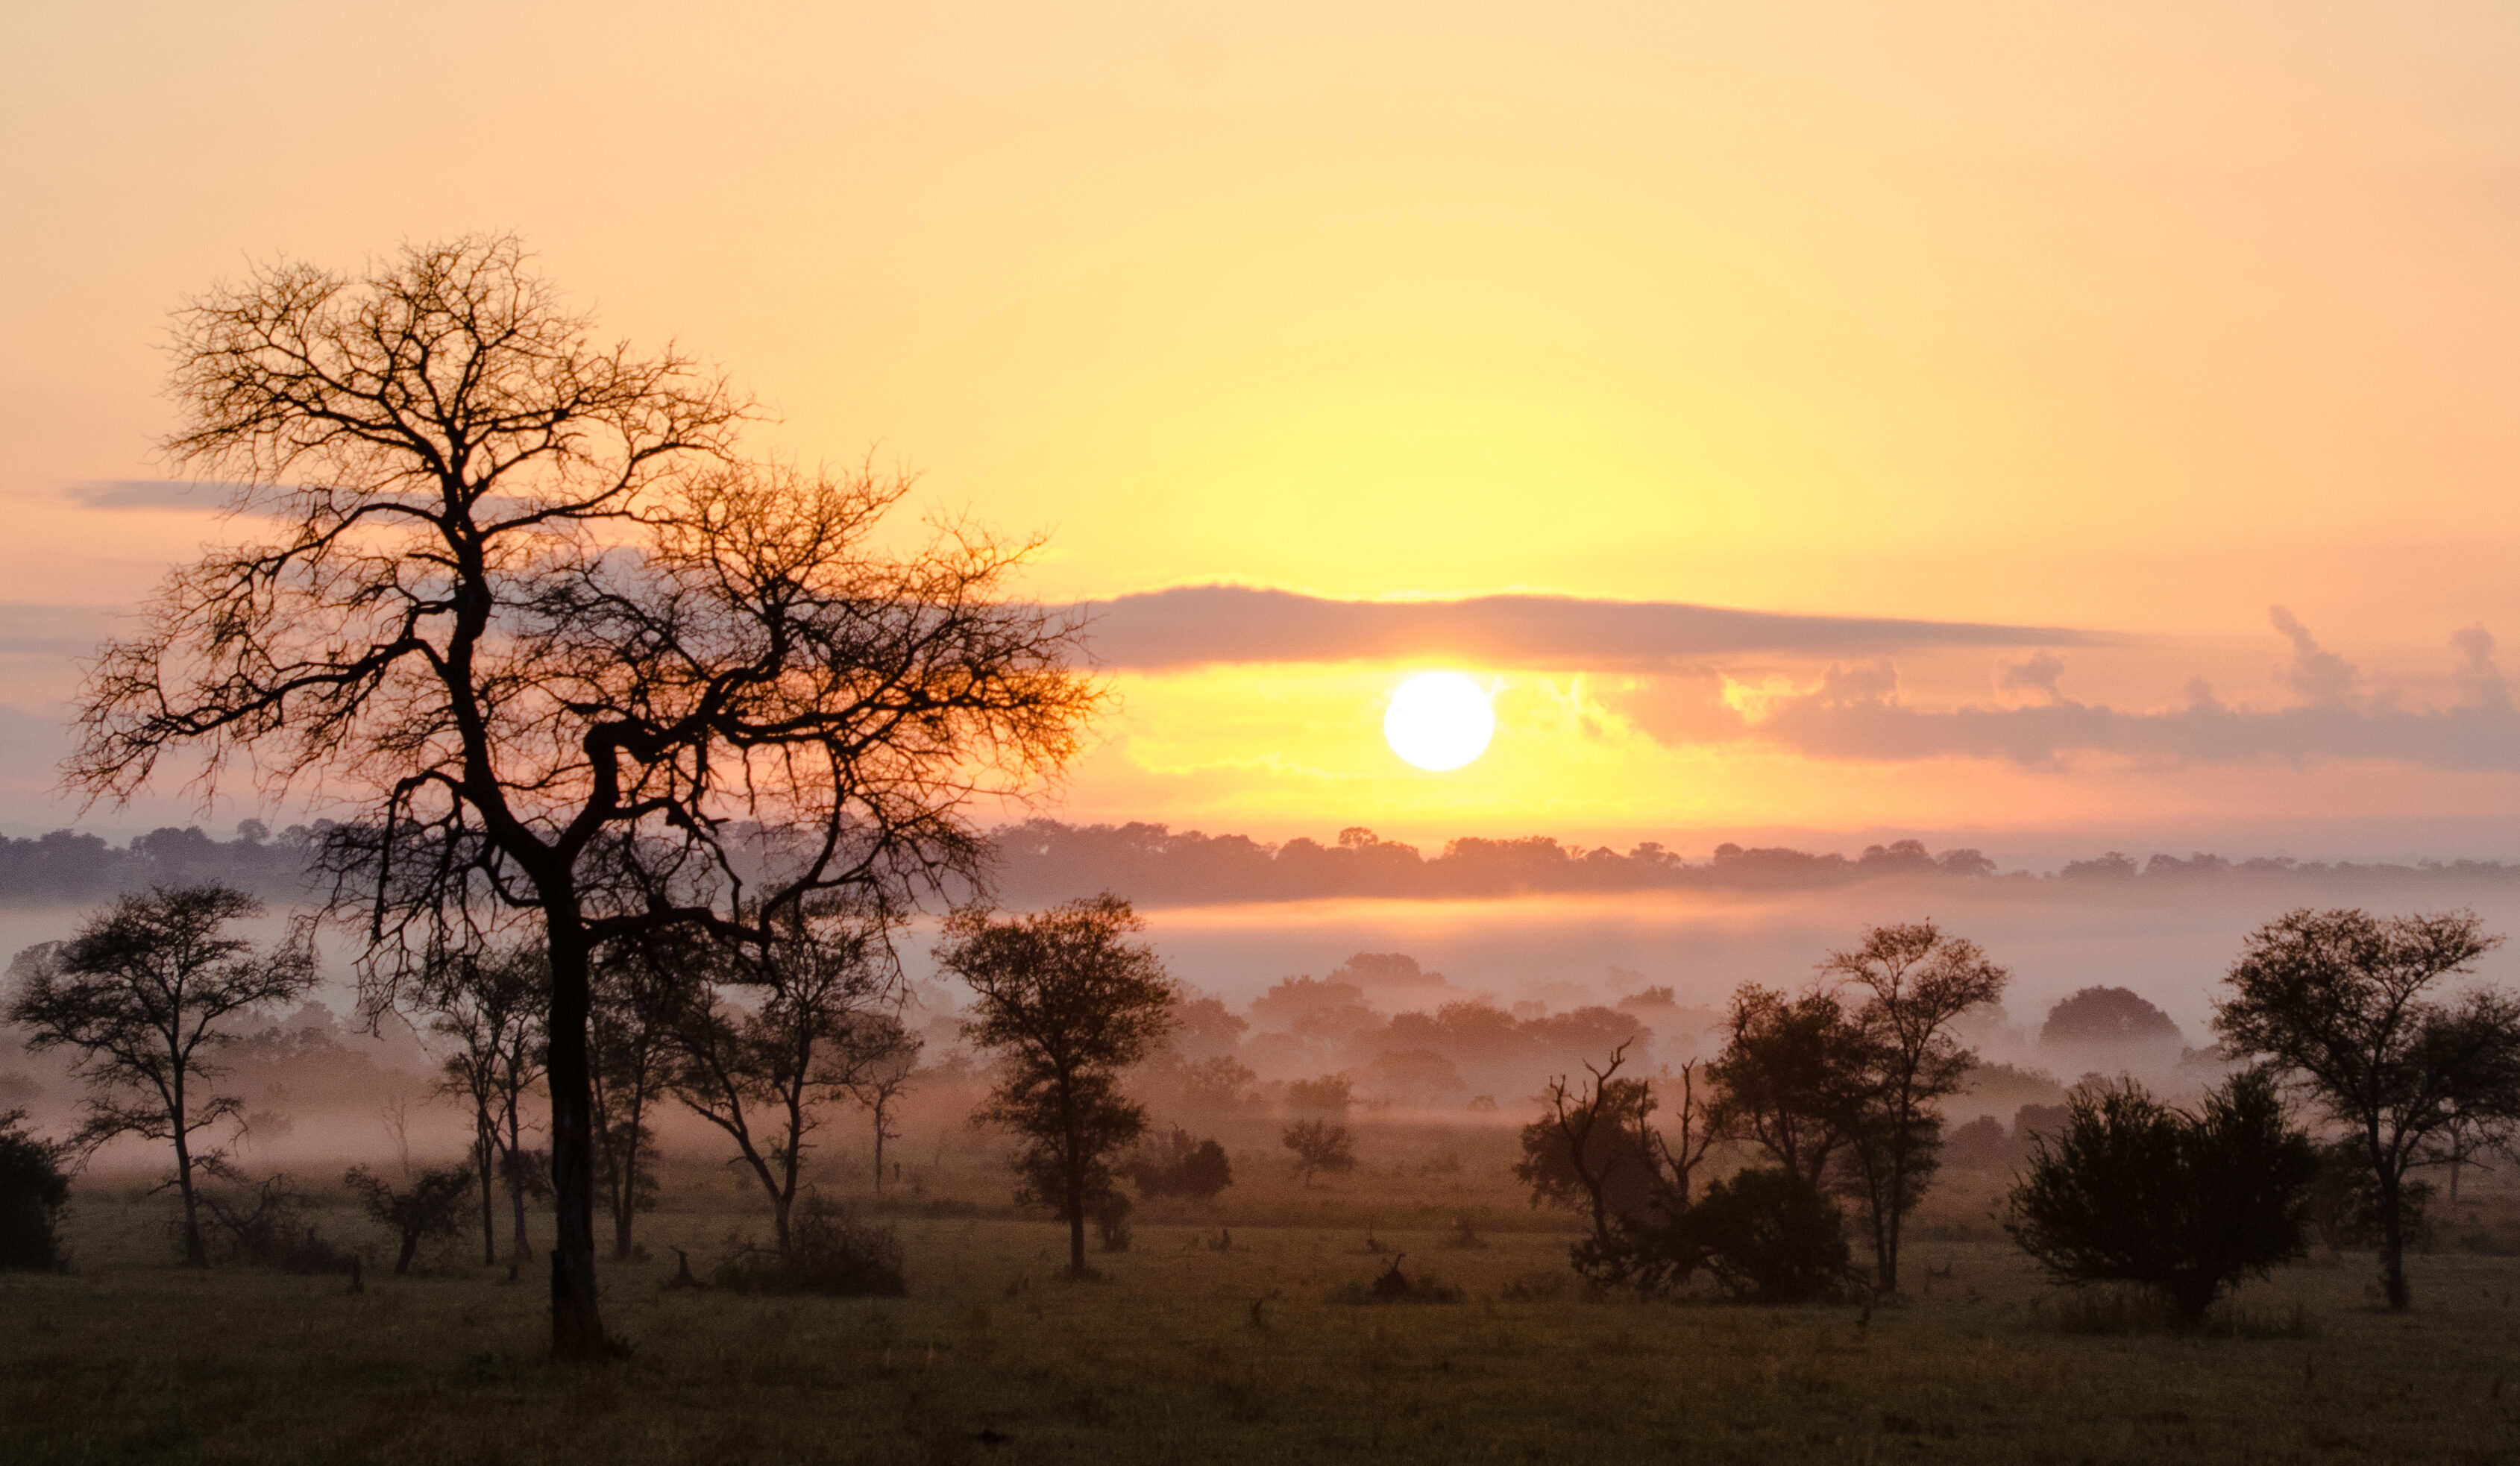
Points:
[2316,675]
[1856,713]
[2035,673]
[1200,625]
[152,493]
[33,629]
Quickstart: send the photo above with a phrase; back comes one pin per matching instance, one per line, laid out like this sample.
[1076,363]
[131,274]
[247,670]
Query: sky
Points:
[2103,412]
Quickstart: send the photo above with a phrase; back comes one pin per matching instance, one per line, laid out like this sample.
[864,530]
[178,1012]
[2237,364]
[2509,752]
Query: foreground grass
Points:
[1185,1353]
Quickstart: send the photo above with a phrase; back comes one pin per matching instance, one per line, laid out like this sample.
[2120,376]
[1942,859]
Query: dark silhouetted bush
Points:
[2134,1191]
[1771,1237]
[264,1224]
[432,1206]
[1177,1165]
[830,1252]
[33,1193]
[2107,1015]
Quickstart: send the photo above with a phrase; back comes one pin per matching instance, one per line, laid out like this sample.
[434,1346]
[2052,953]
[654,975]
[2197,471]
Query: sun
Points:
[1439,721]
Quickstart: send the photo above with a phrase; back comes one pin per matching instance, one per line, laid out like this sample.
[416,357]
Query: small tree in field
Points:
[644,988]
[1069,1003]
[884,1061]
[493,1006]
[432,1206]
[765,1074]
[1915,980]
[2134,1191]
[2342,1002]
[1792,1078]
[515,601]
[143,994]
[1320,1145]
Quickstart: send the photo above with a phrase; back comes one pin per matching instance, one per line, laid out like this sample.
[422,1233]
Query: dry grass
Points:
[1185,1352]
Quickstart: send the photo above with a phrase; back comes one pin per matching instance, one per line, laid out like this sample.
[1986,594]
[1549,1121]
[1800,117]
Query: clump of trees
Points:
[1069,1001]
[1843,1098]
[144,994]
[2183,1203]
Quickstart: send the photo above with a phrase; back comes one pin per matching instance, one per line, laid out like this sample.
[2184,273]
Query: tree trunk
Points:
[410,1246]
[2392,1240]
[1075,1166]
[577,1327]
[878,1149]
[195,1254]
[522,1248]
[486,1149]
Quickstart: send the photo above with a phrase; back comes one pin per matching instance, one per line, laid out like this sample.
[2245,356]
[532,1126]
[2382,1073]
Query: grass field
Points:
[1185,1353]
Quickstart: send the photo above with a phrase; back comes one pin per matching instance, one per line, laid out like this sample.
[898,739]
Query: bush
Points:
[432,1206]
[2184,1204]
[1177,1165]
[33,1189]
[1769,1237]
[264,1224]
[831,1254]
[1394,1286]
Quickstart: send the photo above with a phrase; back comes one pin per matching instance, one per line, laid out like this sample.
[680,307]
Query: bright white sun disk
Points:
[1439,721]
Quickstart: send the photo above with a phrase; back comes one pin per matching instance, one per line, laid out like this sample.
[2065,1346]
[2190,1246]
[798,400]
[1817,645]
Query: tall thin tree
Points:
[519,605]
[1915,980]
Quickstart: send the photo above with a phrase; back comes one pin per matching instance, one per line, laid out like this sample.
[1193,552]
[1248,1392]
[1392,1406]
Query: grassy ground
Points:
[1185,1352]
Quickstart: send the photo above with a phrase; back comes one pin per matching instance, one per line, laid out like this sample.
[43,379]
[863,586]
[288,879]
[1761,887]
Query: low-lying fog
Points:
[1456,1002]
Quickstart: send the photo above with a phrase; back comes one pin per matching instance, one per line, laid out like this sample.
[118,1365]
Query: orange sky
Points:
[2135,319]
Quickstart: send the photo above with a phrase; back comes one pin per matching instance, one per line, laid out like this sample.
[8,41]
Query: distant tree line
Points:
[1041,861]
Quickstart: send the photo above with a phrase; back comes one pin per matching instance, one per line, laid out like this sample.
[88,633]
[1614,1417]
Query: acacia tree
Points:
[1070,1002]
[142,993]
[644,988]
[493,1005]
[1915,980]
[519,606]
[764,1075]
[2340,1000]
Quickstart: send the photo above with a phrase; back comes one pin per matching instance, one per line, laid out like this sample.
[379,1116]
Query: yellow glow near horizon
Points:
[1439,721]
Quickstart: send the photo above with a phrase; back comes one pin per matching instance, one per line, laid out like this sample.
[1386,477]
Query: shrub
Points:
[1177,1165]
[1770,1236]
[831,1254]
[432,1206]
[33,1189]
[264,1224]
[1319,1145]
[2134,1191]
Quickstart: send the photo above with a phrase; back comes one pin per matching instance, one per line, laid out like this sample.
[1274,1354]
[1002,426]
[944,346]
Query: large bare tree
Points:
[511,600]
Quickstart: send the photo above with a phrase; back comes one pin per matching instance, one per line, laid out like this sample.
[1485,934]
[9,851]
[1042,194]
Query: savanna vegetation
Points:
[655,761]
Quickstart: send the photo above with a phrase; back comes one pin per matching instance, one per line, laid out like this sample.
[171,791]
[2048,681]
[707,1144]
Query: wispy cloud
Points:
[151,492]
[1198,625]
[1856,712]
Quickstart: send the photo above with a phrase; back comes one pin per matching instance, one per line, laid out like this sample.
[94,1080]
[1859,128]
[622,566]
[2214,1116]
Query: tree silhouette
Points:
[142,993]
[2107,1015]
[2339,1000]
[1070,1002]
[493,1006]
[1319,1145]
[644,987]
[763,1071]
[521,605]
[1791,1078]
[1915,980]
[432,1206]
